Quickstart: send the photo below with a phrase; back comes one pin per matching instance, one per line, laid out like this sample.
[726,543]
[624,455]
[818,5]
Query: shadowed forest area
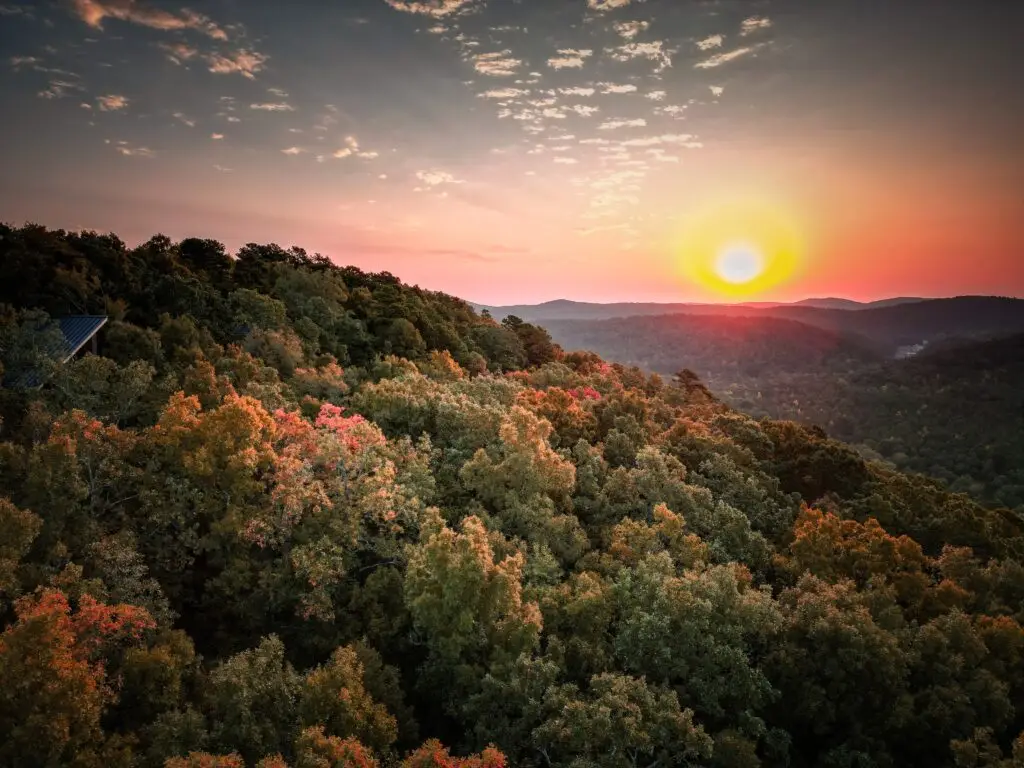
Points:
[293,514]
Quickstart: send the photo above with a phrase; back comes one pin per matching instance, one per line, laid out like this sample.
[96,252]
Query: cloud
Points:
[630,29]
[566,160]
[216,136]
[24,61]
[126,149]
[15,10]
[111,102]
[583,110]
[682,139]
[708,43]
[716,90]
[281,94]
[654,50]
[504,93]
[221,168]
[672,110]
[436,178]
[93,12]
[577,91]
[724,58]
[656,95]
[277,106]
[569,58]
[350,148]
[179,52]
[498,64]
[243,62]
[613,88]
[184,119]
[293,151]
[59,89]
[436,8]
[611,125]
[602,6]
[753,24]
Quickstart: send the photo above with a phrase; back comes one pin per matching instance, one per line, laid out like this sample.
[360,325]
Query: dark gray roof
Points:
[78,329]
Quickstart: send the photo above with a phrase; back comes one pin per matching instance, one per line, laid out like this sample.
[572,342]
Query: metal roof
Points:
[77,330]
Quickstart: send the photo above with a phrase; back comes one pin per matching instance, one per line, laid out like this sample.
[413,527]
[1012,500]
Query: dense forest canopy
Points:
[299,515]
[954,410]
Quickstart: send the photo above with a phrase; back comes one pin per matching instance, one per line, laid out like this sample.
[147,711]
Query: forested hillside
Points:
[300,515]
[954,411]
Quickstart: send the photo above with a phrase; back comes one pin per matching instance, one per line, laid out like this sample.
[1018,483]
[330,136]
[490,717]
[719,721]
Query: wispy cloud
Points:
[185,119]
[602,6]
[58,89]
[179,52]
[244,62]
[131,150]
[630,29]
[577,91]
[496,64]
[111,102]
[616,88]
[504,93]
[216,136]
[611,125]
[710,43]
[724,58]
[278,92]
[584,110]
[24,61]
[655,95]
[436,8]
[93,13]
[753,24]
[221,168]
[566,160]
[293,151]
[273,106]
[570,58]
[436,178]
[654,50]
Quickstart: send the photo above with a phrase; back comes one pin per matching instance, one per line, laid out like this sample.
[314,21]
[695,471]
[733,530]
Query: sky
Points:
[512,151]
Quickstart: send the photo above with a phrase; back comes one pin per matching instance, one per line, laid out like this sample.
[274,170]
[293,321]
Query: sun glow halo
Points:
[739,249]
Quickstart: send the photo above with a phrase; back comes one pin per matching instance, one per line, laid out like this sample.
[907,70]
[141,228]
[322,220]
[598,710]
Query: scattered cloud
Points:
[716,90]
[436,8]
[59,89]
[654,51]
[682,139]
[630,29]
[216,136]
[724,58]
[24,61]
[181,118]
[279,93]
[577,91]
[566,160]
[293,151]
[504,93]
[583,110]
[754,24]
[709,43]
[129,150]
[497,64]
[278,106]
[436,178]
[15,10]
[614,88]
[111,102]
[656,95]
[569,58]
[93,13]
[602,6]
[611,125]
[243,62]
[179,52]
[221,168]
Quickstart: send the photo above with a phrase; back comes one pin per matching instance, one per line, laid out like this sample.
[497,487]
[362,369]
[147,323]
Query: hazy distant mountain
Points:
[890,323]
[565,309]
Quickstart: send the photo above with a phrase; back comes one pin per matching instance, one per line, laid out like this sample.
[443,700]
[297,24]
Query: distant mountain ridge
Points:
[567,309]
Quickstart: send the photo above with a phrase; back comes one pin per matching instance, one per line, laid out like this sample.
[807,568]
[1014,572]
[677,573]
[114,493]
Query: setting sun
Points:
[739,248]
